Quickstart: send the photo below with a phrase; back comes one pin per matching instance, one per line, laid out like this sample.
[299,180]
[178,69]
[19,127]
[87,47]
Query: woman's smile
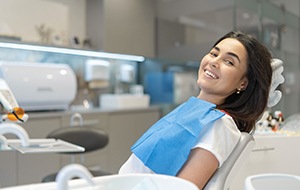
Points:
[222,71]
[211,74]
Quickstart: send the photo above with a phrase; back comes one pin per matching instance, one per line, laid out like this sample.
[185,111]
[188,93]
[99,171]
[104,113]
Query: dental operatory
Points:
[149,94]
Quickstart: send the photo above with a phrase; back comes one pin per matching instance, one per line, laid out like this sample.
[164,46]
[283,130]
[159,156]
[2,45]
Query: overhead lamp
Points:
[73,51]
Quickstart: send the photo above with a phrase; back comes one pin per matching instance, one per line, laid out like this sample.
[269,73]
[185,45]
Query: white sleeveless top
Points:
[220,139]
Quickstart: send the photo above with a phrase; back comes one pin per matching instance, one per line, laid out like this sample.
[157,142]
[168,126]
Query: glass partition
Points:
[186,30]
[277,26]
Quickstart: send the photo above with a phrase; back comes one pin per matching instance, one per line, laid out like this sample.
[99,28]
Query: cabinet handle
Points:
[262,149]
[91,122]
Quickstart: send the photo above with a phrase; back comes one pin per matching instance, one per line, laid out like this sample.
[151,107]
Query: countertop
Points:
[53,113]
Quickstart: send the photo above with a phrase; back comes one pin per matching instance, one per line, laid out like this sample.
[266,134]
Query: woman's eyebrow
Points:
[229,53]
[234,55]
[216,48]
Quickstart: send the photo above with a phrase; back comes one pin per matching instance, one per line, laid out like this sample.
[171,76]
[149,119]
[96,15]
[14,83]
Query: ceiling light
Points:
[73,51]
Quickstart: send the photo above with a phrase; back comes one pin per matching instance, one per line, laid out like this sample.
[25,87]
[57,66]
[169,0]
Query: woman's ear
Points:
[244,84]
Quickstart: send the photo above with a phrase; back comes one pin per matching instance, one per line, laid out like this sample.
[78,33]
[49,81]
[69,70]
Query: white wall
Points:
[77,16]
[113,25]
[66,18]
[94,23]
[129,26]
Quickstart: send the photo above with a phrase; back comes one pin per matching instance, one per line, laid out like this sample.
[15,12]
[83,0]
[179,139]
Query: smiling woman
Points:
[222,71]
[197,137]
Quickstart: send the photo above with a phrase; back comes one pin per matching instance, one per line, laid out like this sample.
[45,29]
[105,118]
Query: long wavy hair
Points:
[247,106]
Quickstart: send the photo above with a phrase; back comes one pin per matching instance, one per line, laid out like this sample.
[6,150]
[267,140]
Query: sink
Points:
[124,101]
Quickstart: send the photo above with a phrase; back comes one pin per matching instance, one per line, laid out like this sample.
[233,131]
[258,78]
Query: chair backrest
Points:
[224,175]
[90,138]
[274,181]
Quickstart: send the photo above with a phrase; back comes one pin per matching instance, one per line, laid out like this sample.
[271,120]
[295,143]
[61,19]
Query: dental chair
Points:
[274,181]
[224,175]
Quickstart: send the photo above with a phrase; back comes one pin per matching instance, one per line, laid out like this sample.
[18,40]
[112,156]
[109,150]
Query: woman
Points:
[196,138]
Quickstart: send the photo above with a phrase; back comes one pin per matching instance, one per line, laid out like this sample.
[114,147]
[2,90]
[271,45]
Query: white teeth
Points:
[211,74]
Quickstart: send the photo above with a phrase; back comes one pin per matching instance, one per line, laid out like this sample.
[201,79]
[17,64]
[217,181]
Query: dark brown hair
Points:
[247,106]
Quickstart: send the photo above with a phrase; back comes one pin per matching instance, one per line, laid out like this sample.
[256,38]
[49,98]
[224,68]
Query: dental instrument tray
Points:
[44,146]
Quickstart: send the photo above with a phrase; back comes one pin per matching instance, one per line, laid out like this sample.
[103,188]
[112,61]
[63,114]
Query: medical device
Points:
[40,86]
[8,101]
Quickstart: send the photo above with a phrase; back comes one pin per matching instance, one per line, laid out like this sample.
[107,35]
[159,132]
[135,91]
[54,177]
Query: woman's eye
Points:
[229,62]
[213,54]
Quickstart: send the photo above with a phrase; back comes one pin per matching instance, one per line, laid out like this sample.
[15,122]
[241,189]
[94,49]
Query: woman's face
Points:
[223,71]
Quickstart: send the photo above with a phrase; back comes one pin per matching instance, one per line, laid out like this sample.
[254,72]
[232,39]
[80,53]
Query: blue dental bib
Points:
[165,146]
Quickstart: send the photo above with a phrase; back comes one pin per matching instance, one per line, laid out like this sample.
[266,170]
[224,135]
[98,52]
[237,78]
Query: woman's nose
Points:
[214,63]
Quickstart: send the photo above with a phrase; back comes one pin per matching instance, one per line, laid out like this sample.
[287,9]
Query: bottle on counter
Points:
[279,118]
[274,125]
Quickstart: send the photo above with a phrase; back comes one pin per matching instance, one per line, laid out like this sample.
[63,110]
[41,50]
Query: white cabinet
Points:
[99,158]
[17,168]
[271,154]
[8,168]
[33,167]
[124,127]
[124,130]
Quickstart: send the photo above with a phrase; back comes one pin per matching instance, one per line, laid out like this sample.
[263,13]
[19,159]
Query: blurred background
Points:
[122,64]
[172,35]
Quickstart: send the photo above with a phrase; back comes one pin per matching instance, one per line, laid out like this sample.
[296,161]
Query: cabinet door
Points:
[125,129]
[270,155]
[88,118]
[96,159]
[33,167]
[8,168]
[40,127]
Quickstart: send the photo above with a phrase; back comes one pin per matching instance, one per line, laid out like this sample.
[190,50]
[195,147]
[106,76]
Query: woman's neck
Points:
[211,98]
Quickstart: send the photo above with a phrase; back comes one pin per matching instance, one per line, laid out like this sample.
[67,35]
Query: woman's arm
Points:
[199,167]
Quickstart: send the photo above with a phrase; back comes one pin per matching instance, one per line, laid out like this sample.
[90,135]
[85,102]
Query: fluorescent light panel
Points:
[73,51]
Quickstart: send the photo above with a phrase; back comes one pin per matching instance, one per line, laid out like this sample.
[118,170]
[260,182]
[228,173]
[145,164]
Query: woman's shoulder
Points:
[223,128]
[226,121]
[220,138]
